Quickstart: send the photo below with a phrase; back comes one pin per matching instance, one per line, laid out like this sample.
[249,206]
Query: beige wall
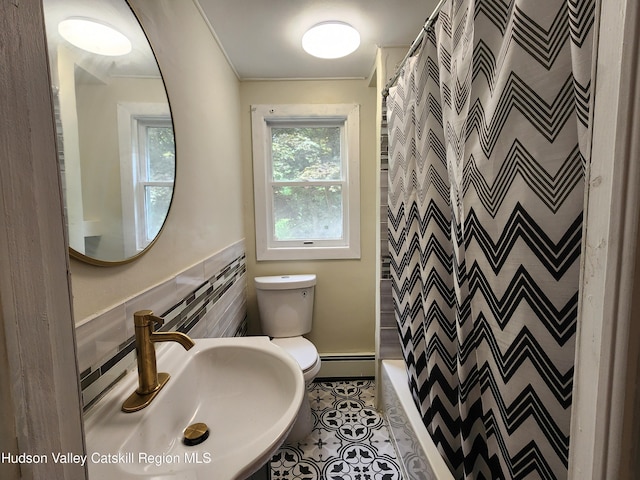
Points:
[206,214]
[344,314]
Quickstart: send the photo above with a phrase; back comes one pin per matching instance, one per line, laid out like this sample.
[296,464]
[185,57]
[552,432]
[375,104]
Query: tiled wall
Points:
[206,300]
[389,341]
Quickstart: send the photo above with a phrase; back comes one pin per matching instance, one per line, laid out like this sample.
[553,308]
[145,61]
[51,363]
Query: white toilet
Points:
[285,303]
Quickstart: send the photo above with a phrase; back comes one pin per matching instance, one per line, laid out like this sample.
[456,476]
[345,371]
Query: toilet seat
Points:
[301,349]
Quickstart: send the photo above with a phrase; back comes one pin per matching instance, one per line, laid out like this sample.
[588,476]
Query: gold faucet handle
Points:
[157,321]
[146,318]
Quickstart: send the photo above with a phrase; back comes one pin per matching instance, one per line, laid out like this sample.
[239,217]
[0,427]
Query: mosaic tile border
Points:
[185,316]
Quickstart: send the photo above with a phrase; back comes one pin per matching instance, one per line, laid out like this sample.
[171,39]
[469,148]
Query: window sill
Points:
[308,253]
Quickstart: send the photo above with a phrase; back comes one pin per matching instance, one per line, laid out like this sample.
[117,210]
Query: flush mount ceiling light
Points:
[94,37]
[331,40]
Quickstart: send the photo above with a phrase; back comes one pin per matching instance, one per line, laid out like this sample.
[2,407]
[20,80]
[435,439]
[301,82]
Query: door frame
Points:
[40,399]
[605,423]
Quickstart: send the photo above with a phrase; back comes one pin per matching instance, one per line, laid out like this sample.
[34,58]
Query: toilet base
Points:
[303,425]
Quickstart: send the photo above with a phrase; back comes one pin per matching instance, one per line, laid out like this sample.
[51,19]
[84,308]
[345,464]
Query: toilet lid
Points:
[299,348]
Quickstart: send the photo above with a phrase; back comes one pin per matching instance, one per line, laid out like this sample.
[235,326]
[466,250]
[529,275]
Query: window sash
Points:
[312,240]
[342,182]
[141,182]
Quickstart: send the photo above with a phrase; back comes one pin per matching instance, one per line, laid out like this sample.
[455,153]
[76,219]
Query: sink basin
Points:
[246,390]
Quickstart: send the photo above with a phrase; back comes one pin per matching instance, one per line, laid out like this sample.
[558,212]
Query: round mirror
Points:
[115,133]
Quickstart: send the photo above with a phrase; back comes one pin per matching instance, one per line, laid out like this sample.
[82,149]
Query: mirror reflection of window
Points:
[147,169]
[156,171]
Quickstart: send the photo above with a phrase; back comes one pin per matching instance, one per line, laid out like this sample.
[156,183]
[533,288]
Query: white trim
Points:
[348,118]
[603,358]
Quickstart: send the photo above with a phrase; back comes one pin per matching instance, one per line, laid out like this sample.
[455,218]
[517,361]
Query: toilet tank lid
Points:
[284,282]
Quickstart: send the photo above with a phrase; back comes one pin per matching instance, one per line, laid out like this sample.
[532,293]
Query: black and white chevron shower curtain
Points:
[488,139]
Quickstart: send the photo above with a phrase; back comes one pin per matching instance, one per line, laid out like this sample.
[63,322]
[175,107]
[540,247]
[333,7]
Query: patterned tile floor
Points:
[349,441]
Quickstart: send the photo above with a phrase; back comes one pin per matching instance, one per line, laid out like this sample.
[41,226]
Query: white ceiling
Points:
[262,38]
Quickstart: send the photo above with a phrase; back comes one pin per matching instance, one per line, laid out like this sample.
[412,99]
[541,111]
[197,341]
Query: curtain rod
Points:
[414,46]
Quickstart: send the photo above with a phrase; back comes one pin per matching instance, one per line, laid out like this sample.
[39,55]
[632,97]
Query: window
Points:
[147,171]
[306,181]
[156,171]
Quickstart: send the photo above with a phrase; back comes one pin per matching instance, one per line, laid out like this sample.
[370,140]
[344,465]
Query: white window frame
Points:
[131,116]
[346,116]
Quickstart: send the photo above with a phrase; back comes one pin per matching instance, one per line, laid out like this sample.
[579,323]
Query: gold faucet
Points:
[149,380]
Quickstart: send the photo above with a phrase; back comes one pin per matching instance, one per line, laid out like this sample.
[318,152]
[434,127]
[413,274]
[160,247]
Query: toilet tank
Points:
[285,303]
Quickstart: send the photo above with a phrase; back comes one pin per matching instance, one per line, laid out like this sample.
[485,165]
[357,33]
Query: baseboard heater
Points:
[347,365]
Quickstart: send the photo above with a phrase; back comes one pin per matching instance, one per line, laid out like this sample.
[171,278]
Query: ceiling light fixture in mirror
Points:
[94,36]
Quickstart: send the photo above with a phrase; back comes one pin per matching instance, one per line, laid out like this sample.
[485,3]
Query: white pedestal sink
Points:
[246,390]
